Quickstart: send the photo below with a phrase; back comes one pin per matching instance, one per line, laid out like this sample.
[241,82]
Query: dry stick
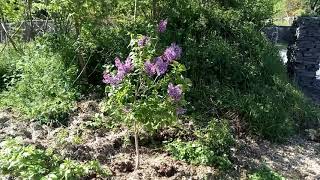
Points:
[10,39]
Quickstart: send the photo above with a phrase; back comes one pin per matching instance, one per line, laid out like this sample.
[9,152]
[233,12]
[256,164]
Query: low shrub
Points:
[44,89]
[28,162]
[265,173]
[211,148]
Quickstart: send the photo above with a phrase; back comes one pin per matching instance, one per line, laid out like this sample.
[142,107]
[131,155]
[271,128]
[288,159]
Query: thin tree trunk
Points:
[136,142]
[31,30]
[154,9]
[81,62]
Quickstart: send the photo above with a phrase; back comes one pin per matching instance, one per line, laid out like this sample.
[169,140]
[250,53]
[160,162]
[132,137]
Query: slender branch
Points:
[83,70]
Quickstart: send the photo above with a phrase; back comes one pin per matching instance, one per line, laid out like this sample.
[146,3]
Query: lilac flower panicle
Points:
[117,62]
[172,53]
[175,92]
[123,70]
[150,68]
[162,26]
[161,66]
[106,78]
[120,75]
[143,41]
[180,111]
[112,80]
[128,66]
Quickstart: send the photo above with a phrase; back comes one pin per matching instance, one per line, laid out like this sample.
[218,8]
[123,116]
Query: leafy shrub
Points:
[234,67]
[44,90]
[211,148]
[28,162]
[265,173]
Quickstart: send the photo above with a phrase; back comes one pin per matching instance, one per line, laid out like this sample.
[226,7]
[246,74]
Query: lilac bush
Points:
[147,90]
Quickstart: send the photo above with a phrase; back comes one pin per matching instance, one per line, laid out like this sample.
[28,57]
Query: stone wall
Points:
[304,55]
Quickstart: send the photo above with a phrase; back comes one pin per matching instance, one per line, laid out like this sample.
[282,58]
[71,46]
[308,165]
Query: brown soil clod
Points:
[165,170]
[117,143]
[123,167]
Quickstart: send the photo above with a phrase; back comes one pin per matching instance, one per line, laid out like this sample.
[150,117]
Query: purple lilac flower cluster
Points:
[123,70]
[180,111]
[175,92]
[160,64]
[162,26]
[143,41]
[172,53]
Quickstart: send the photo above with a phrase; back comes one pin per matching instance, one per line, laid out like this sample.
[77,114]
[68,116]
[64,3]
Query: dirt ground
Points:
[298,158]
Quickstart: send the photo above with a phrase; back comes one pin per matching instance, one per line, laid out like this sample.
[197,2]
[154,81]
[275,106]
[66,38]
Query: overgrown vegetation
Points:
[232,67]
[29,162]
[211,148]
[38,85]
